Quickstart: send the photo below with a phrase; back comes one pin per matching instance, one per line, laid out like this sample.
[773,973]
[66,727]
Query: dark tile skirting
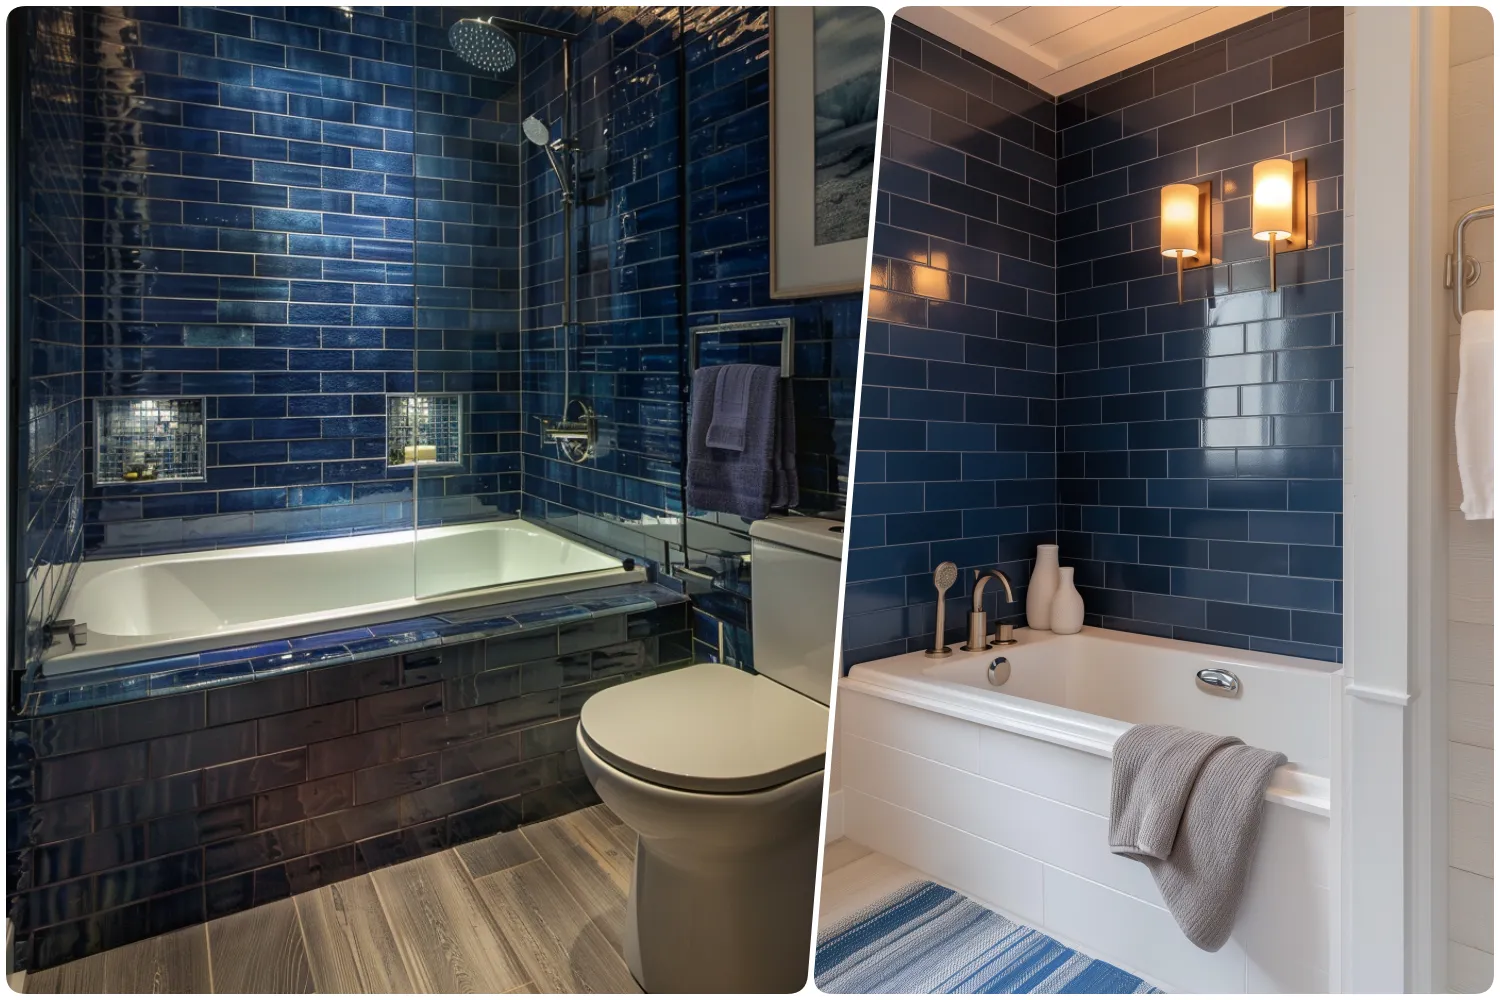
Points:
[133,819]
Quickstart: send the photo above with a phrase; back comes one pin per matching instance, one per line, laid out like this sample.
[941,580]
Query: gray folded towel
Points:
[763,474]
[1188,806]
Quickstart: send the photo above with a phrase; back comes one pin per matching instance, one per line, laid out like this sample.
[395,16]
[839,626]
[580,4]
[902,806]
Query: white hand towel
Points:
[1474,426]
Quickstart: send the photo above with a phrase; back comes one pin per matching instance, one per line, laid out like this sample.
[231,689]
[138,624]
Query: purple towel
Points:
[763,474]
[732,392]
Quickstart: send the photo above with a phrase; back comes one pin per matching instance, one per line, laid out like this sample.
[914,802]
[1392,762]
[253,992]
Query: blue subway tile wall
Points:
[728,240]
[50,301]
[637,160]
[468,274]
[622,352]
[958,410]
[1030,376]
[1199,459]
[294,212]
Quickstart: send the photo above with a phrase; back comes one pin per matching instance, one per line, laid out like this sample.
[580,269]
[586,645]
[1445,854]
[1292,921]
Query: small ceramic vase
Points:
[1042,588]
[1067,606]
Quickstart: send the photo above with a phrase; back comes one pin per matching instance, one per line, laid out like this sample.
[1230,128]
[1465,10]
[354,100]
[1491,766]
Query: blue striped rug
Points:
[925,938]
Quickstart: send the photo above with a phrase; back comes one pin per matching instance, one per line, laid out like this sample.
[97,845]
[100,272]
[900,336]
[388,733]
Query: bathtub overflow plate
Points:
[999,671]
[1220,682]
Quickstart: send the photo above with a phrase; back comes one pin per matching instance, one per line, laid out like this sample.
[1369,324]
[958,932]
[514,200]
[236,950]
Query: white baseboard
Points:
[835,828]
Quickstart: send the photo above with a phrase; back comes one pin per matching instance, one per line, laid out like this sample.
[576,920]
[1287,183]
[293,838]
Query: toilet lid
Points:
[707,728]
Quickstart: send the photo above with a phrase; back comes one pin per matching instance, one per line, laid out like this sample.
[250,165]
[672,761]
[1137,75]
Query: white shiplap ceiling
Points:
[1060,49]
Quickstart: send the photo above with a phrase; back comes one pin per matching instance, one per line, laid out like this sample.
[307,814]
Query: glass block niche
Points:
[149,440]
[424,430]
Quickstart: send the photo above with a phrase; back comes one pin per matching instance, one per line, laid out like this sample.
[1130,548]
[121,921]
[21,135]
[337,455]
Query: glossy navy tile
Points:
[1191,448]
[289,796]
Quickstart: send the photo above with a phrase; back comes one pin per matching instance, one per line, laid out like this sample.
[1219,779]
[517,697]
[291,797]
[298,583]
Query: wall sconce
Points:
[1278,206]
[1186,210]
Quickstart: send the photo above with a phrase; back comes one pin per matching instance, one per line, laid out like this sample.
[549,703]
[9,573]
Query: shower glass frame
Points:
[468,282]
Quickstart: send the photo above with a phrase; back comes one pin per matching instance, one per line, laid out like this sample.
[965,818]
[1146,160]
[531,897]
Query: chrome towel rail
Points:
[1460,270]
[778,330]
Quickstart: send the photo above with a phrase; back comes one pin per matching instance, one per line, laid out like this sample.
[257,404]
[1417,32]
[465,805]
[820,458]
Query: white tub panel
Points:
[1124,931]
[936,737]
[984,807]
[981,869]
[1037,827]
[1081,780]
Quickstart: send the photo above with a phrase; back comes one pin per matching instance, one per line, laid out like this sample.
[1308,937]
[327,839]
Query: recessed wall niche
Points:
[424,430]
[149,440]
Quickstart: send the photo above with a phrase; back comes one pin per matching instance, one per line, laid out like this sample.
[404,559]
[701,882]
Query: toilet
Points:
[720,773]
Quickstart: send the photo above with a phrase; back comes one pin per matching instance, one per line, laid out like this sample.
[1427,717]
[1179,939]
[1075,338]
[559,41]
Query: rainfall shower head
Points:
[483,44]
[537,131]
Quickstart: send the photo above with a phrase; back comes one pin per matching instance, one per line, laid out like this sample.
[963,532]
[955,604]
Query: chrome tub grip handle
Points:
[1220,682]
[999,671]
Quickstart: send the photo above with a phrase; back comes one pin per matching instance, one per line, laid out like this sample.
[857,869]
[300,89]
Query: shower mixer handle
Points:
[576,434]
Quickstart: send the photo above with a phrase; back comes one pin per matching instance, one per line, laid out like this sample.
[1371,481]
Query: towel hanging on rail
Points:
[1474,417]
[762,474]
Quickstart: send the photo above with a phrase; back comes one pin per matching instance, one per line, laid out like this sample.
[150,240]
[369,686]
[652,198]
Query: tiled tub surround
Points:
[293,212]
[1194,471]
[48,429]
[958,414]
[132,819]
[1200,455]
[1003,793]
[157,607]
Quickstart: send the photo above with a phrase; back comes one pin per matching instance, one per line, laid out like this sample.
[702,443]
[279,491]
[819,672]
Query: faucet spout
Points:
[982,577]
[979,622]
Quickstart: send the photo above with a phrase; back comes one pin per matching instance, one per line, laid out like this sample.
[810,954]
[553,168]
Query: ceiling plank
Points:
[1112,29]
[1083,52]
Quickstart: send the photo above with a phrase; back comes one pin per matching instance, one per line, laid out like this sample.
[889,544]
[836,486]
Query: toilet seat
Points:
[707,728]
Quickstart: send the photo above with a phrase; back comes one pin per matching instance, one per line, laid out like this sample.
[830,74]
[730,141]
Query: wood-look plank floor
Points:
[536,910]
[169,963]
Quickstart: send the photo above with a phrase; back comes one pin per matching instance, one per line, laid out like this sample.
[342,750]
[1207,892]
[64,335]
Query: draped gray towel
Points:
[763,474]
[1188,806]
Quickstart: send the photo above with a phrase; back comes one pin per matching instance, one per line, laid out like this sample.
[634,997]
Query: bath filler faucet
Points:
[979,623]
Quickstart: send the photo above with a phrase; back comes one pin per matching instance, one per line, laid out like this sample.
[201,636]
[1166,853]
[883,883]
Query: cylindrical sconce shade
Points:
[1271,202]
[1179,220]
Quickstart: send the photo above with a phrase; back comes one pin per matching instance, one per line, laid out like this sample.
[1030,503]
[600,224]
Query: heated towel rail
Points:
[1460,270]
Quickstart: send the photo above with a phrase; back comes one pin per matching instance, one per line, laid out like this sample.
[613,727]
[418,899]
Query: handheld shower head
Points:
[482,44]
[945,576]
[539,134]
[537,131]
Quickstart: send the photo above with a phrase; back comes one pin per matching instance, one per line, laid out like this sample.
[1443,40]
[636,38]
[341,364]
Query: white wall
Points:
[1470,616]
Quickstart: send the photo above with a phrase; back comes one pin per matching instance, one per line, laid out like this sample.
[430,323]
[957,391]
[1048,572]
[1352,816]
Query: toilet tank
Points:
[794,591]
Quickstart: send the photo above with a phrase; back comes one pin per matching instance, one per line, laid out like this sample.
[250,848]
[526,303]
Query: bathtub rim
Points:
[894,679]
[96,656]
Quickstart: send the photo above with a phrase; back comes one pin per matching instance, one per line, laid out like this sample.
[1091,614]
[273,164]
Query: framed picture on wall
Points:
[825,106]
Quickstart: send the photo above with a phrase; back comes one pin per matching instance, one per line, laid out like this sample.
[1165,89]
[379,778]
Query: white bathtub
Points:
[1003,793]
[166,605]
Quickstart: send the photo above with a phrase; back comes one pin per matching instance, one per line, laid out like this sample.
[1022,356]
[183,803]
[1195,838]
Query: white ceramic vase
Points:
[1042,588]
[1067,606]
